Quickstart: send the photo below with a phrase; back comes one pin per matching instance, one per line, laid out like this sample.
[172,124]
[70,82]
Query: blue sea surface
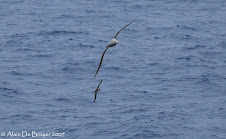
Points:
[166,79]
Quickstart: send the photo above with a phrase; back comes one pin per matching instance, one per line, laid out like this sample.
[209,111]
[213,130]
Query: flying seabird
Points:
[98,89]
[112,43]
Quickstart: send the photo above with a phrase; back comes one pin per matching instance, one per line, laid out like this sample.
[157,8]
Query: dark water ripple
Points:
[9,92]
[59,33]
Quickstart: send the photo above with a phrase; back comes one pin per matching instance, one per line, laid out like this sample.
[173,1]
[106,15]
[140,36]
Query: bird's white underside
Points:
[112,43]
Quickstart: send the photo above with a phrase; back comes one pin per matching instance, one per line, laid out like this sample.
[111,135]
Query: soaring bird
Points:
[112,43]
[98,89]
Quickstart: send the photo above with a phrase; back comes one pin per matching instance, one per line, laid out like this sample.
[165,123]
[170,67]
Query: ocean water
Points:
[166,79]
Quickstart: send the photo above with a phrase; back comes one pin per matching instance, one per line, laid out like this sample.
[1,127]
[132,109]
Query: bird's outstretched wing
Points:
[95,97]
[125,27]
[99,85]
[101,61]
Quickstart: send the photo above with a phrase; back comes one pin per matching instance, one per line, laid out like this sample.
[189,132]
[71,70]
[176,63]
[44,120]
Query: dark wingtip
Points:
[95,75]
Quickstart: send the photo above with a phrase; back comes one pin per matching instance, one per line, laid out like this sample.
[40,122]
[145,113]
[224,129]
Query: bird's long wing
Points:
[95,96]
[99,84]
[101,61]
[125,27]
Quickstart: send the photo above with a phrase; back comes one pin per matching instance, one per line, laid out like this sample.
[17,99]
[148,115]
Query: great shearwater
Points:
[98,89]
